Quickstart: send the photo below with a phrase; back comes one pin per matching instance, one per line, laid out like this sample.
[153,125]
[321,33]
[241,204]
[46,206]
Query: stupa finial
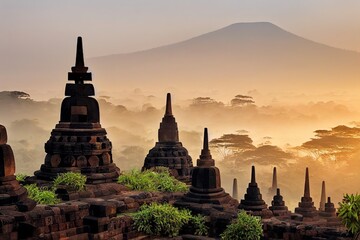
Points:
[168,110]
[79,71]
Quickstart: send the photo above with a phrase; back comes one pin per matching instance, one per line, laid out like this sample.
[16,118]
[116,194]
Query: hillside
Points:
[243,55]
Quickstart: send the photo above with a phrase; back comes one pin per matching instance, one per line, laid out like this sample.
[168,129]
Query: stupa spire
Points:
[307,184]
[205,152]
[79,71]
[274,180]
[323,197]
[168,110]
[253,180]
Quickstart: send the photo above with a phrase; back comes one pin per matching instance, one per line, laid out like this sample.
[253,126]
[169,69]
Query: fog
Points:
[280,130]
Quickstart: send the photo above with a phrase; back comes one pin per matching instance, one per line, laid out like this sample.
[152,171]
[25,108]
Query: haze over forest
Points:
[273,98]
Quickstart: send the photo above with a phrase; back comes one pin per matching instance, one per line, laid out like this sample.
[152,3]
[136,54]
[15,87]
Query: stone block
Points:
[7,161]
[95,224]
[103,209]
[3,135]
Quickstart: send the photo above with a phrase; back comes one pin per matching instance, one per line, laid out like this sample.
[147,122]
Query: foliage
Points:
[349,212]
[41,195]
[245,227]
[339,143]
[151,181]
[21,177]
[198,223]
[72,179]
[241,100]
[205,101]
[160,219]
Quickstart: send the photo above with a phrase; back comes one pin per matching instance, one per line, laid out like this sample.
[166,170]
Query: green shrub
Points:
[349,212]
[160,219]
[21,177]
[197,222]
[245,227]
[72,179]
[151,181]
[41,196]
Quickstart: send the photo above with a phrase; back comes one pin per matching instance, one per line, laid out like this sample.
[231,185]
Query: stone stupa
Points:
[206,184]
[278,206]
[79,143]
[169,151]
[253,199]
[11,192]
[306,207]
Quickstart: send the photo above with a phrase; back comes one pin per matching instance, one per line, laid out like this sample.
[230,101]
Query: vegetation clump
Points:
[349,212]
[41,195]
[245,227]
[21,177]
[151,181]
[166,220]
[72,179]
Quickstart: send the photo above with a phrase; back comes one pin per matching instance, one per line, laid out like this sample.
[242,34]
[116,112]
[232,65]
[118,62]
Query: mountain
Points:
[239,57]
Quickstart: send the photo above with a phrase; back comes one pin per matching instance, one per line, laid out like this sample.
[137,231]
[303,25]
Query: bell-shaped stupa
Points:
[79,143]
[168,151]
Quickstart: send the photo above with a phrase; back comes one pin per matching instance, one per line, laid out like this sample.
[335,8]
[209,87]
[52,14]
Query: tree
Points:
[232,144]
[241,100]
[205,101]
[337,144]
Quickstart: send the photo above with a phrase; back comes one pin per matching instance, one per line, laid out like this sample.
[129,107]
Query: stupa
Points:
[235,189]
[306,206]
[79,143]
[169,151]
[206,184]
[330,210]
[323,197]
[278,205]
[253,199]
[11,192]
[274,186]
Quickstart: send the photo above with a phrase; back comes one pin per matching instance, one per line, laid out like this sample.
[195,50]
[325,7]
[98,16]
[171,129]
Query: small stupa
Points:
[169,151]
[235,189]
[278,205]
[253,199]
[11,192]
[206,184]
[79,143]
[306,206]
[274,186]
[323,197]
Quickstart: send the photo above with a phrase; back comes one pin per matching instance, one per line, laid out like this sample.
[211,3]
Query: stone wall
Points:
[90,218]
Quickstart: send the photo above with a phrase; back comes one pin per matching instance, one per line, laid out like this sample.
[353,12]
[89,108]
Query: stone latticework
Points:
[169,151]
[79,143]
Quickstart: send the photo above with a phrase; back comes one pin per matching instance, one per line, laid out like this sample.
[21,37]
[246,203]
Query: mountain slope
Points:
[240,56]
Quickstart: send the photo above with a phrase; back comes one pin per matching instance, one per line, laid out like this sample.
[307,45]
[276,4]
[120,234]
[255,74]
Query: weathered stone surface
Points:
[278,205]
[206,195]
[11,191]
[79,143]
[168,151]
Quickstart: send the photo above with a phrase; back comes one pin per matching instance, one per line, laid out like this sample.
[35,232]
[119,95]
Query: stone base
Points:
[173,156]
[11,191]
[95,175]
[307,213]
[217,197]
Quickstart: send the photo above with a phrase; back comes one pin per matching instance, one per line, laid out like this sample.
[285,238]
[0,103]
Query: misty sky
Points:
[41,34]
